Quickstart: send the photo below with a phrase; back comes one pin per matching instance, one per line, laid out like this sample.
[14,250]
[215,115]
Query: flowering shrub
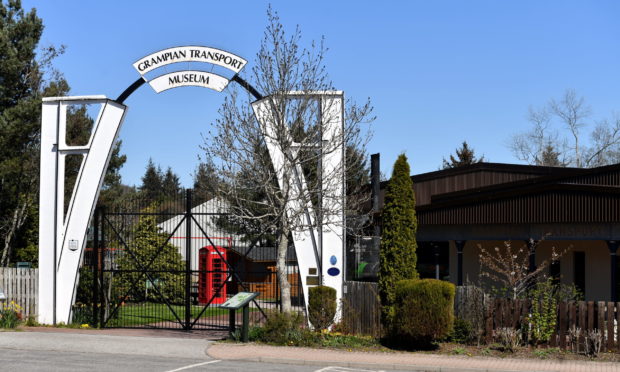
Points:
[10,315]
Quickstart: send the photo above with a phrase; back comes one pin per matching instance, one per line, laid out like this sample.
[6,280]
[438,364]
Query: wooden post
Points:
[562,325]
[582,320]
[600,323]
[590,315]
[610,326]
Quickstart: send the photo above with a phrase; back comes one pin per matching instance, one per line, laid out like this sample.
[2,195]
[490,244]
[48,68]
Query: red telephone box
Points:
[212,277]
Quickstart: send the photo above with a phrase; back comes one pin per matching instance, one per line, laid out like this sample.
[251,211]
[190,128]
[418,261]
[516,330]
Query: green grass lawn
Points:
[147,313]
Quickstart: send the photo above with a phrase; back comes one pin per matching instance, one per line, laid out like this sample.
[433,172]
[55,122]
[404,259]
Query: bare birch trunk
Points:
[17,220]
[285,286]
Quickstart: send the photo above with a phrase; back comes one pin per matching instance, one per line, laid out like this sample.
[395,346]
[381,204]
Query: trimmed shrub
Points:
[424,311]
[321,307]
[397,254]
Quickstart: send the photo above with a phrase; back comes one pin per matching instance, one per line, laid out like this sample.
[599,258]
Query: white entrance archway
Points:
[62,236]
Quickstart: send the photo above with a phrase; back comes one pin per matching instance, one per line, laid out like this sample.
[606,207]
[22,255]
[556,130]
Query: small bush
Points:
[594,340]
[462,331]
[508,338]
[424,311]
[31,321]
[255,333]
[282,328]
[321,307]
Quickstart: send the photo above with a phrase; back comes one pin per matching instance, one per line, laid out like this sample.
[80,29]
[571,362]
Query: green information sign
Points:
[239,300]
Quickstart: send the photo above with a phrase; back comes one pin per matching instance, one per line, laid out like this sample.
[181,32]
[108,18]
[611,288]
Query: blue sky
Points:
[437,72]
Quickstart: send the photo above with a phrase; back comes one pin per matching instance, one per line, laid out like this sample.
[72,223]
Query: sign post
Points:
[241,299]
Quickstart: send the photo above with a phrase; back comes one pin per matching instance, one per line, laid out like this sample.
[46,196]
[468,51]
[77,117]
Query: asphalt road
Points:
[30,351]
[39,360]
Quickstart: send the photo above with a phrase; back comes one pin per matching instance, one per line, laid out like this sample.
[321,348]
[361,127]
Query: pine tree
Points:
[170,184]
[205,182]
[464,156]
[550,157]
[397,255]
[152,182]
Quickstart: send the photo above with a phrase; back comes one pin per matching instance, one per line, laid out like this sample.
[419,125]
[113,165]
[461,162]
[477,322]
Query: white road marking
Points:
[194,365]
[345,369]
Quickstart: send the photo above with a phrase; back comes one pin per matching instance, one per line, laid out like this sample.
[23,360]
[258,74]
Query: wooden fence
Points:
[21,287]
[361,314]
[584,315]
[361,308]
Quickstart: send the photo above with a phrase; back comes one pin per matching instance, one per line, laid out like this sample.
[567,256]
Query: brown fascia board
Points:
[526,184]
[535,188]
[496,167]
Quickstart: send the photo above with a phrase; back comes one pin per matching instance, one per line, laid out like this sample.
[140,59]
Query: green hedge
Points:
[424,311]
[321,307]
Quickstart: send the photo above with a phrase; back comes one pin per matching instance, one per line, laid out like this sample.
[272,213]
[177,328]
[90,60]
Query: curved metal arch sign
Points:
[62,237]
[188,79]
[189,54]
[196,78]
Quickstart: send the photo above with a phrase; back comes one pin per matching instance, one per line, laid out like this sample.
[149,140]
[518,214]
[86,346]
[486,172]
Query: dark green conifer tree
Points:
[464,156]
[152,182]
[205,182]
[171,185]
[550,157]
[397,255]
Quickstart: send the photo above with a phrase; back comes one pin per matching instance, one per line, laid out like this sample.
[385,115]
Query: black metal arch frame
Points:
[236,78]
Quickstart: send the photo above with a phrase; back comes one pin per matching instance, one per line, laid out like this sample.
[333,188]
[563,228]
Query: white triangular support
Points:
[62,238]
[331,242]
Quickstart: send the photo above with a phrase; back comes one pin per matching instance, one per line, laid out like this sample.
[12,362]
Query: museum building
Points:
[539,208]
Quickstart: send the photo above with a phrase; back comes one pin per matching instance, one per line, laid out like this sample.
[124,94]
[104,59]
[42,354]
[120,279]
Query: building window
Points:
[579,271]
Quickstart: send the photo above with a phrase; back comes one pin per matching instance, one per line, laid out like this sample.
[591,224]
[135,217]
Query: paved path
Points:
[396,361]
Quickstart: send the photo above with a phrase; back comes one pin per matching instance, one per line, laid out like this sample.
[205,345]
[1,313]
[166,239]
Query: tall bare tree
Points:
[557,135]
[239,153]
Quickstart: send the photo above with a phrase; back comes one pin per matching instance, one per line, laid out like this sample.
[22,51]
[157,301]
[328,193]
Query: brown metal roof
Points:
[492,193]
[473,176]
[570,196]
